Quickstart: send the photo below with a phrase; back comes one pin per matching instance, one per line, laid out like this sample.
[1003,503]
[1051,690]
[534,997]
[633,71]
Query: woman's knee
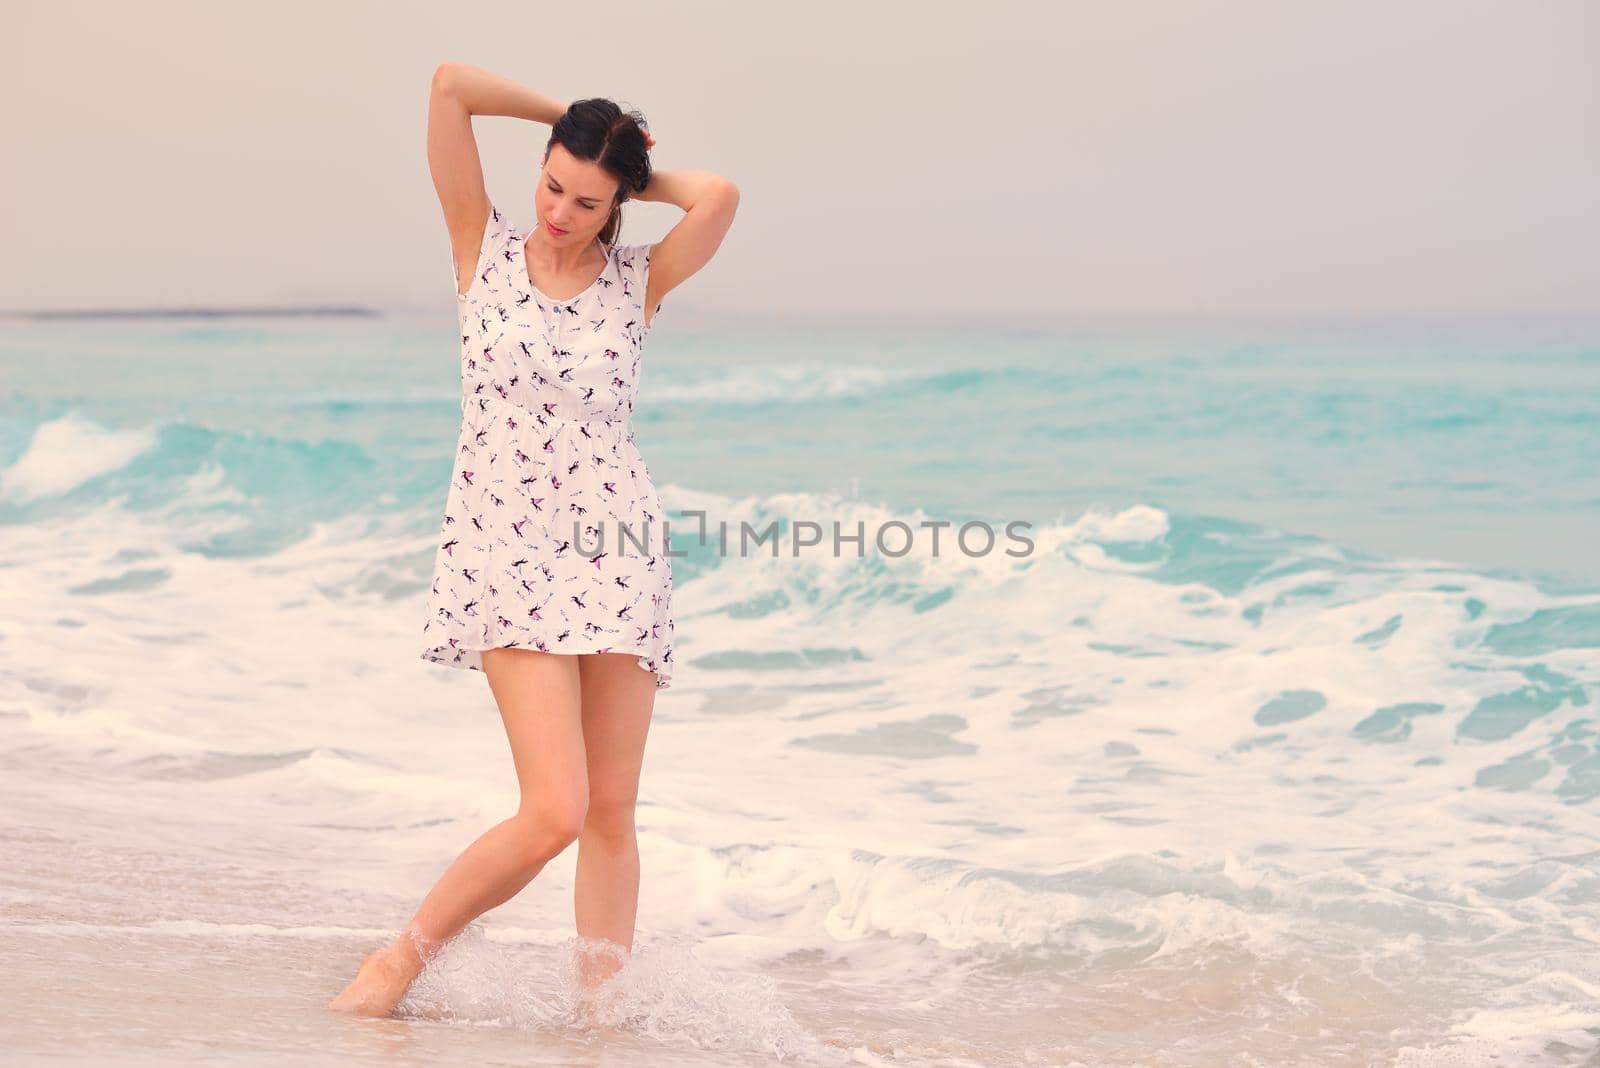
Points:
[549,825]
[610,818]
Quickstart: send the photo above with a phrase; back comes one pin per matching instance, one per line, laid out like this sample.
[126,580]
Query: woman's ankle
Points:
[412,950]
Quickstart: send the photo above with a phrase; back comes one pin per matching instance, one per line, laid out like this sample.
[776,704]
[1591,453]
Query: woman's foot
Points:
[380,983]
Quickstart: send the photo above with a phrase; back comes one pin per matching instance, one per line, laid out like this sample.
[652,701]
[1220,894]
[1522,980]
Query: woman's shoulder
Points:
[493,244]
[501,227]
[501,233]
[634,260]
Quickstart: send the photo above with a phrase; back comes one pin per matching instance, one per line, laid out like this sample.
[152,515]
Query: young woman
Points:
[551,575]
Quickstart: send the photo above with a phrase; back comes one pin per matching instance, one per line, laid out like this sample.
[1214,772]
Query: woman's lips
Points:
[553,230]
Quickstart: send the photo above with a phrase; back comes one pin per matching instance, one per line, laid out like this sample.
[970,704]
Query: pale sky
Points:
[1021,160]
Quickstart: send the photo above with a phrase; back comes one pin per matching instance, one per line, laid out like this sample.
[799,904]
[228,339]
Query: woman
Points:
[553,321]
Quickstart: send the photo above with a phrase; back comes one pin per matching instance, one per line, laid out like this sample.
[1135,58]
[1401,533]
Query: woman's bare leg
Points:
[618,697]
[538,695]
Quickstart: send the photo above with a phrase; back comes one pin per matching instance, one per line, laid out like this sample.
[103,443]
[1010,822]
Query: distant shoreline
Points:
[336,311]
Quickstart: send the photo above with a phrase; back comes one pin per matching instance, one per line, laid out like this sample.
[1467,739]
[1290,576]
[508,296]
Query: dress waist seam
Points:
[541,418]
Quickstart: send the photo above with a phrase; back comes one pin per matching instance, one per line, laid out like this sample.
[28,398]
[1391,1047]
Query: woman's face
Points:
[575,196]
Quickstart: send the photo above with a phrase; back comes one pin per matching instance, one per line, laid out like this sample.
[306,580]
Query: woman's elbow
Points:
[443,77]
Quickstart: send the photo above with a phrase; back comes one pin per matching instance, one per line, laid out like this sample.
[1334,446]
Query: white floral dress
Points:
[553,533]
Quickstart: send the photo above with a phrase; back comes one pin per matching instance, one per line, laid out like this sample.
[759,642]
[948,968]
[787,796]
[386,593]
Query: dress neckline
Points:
[522,254]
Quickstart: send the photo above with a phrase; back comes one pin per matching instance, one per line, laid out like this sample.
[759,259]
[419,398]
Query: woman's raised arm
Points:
[460,91]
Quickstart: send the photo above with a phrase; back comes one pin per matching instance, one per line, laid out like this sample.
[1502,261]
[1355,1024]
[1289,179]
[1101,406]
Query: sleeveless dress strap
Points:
[636,260]
[495,229]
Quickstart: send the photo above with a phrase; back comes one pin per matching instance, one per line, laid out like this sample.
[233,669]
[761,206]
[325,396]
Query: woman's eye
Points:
[586,207]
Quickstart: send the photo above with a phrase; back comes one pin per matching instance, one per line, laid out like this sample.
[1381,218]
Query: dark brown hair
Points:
[598,130]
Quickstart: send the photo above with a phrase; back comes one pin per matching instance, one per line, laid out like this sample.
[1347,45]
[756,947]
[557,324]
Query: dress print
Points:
[547,474]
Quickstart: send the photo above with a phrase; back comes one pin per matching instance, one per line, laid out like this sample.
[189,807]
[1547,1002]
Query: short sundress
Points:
[553,535]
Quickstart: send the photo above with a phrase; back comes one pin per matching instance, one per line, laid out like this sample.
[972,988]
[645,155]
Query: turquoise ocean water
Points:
[1276,746]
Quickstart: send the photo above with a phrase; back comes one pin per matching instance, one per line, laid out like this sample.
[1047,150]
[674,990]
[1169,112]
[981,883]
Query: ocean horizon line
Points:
[198,312]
